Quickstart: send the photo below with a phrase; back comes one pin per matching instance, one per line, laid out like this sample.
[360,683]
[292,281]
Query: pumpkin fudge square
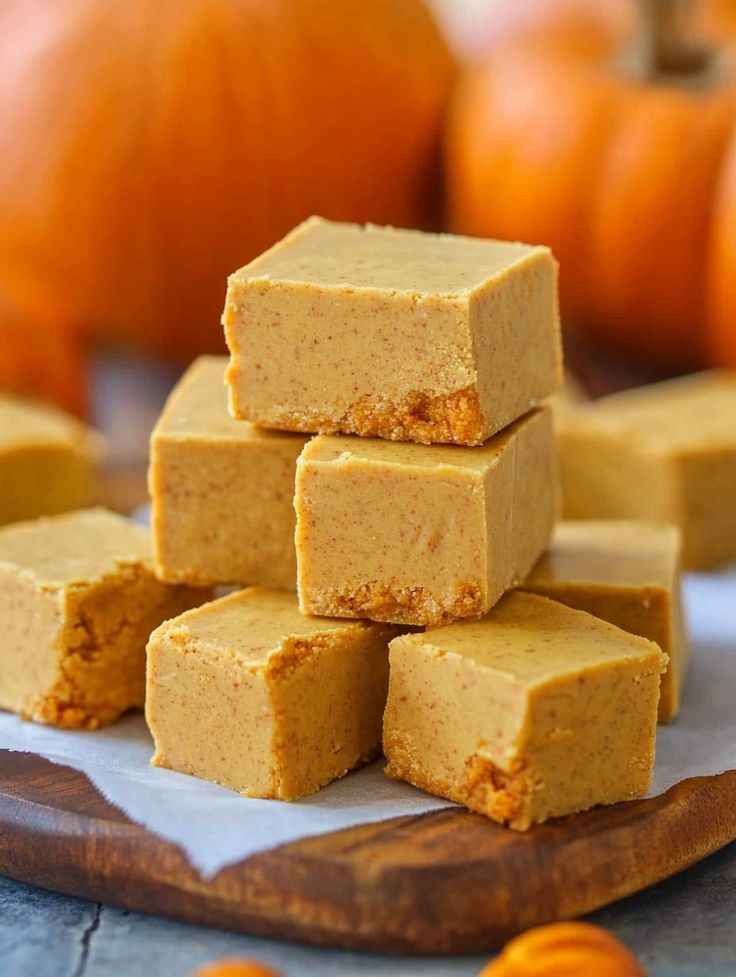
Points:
[662,453]
[533,712]
[248,692]
[221,490]
[627,573]
[78,600]
[47,460]
[415,534]
[389,333]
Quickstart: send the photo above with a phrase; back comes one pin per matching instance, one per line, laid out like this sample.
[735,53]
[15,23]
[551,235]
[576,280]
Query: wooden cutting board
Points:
[447,882]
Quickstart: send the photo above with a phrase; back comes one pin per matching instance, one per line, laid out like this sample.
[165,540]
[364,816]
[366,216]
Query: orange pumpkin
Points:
[721,265]
[40,352]
[718,18]
[565,950]
[478,27]
[629,179]
[150,148]
[236,967]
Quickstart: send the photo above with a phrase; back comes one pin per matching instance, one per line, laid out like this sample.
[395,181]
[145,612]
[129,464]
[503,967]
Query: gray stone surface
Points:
[42,934]
[685,927]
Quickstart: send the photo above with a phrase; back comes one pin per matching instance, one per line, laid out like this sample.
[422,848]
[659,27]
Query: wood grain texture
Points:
[448,882]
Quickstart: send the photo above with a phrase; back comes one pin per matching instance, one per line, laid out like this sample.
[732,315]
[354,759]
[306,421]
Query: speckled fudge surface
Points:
[221,490]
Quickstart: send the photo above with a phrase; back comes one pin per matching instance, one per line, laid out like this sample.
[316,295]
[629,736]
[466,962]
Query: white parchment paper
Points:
[216,827]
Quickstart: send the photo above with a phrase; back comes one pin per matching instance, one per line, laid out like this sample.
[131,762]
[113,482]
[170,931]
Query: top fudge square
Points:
[394,334]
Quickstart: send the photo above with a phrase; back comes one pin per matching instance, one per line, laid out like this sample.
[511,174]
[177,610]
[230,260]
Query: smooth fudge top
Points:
[692,413]
[353,256]
[74,548]
[610,551]
[24,423]
[336,449]
[532,640]
[197,407]
[252,623]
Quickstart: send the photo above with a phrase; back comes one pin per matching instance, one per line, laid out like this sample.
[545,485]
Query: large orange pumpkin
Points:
[40,351]
[630,179]
[718,18]
[149,147]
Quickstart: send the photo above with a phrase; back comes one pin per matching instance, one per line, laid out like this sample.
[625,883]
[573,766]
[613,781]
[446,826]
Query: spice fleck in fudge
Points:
[627,573]
[663,453]
[78,600]
[251,694]
[47,461]
[422,535]
[536,711]
[394,334]
[222,490]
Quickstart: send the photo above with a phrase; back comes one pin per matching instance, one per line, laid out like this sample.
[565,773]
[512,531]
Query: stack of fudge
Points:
[375,465]
[395,386]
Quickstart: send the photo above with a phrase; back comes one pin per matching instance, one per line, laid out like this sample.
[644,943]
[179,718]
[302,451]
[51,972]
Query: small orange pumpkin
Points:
[565,950]
[630,180]
[150,148]
[235,967]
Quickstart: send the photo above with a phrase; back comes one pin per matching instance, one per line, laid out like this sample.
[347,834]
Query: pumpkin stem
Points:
[672,40]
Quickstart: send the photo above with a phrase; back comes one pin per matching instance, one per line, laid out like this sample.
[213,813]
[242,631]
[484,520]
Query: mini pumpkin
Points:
[565,950]
[236,967]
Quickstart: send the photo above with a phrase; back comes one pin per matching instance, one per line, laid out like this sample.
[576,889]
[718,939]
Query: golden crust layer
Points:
[485,788]
[401,605]
[503,796]
[426,418]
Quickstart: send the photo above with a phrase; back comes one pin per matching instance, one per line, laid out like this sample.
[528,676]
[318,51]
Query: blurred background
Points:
[150,148]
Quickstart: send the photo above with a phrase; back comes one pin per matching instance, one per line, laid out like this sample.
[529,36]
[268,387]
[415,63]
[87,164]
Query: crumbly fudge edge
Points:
[421,417]
[67,704]
[397,605]
[485,788]
[284,664]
